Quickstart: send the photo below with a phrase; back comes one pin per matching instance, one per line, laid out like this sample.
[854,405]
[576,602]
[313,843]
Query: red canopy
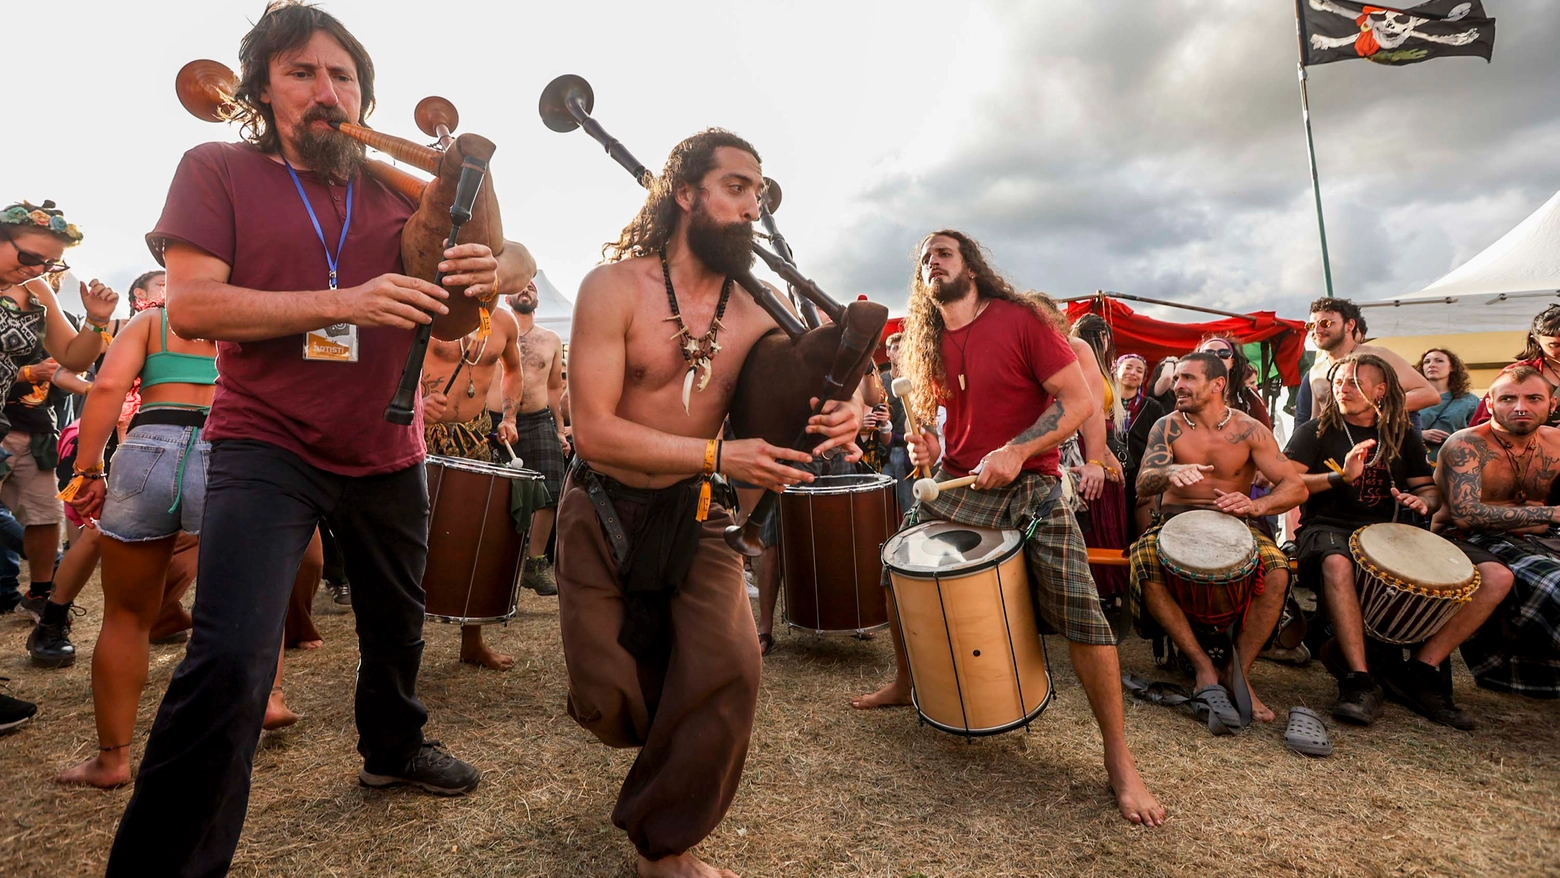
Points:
[1156,339]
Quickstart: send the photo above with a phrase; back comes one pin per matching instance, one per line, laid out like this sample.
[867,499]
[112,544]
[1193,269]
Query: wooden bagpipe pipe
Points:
[453,207]
[787,367]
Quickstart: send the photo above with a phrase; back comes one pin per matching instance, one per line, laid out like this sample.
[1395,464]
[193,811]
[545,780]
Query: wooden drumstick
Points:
[926,490]
[902,388]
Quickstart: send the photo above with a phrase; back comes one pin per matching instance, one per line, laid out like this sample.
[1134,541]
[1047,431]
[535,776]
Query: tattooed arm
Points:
[1459,472]
[1159,466]
[1071,403]
[512,385]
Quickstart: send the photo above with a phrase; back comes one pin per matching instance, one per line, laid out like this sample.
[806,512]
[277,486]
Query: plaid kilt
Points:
[467,440]
[1058,561]
[1518,649]
[538,447]
[1146,566]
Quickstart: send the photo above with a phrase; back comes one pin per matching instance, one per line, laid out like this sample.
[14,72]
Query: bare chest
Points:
[482,354]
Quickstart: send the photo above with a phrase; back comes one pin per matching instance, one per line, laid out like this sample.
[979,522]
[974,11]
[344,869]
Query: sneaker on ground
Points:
[49,643]
[432,769]
[1422,689]
[1360,699]
[14,711]
[31,606]
[539,576]
[340,593]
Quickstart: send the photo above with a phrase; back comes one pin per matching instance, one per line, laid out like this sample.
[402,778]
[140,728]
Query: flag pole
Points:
[1310,144]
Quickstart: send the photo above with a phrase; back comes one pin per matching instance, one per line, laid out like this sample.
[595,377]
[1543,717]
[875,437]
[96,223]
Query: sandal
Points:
[1307,733]
[1162,693]
[766,643]
[1214,705]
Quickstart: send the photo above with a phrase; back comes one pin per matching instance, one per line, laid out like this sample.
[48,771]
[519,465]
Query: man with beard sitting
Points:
[1499,482]
[255,237]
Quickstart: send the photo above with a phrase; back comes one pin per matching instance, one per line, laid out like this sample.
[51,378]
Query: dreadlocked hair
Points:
[652,228]
[921,351]
[1392,422]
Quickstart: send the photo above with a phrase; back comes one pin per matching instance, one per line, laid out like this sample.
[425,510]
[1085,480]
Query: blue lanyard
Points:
[330,260]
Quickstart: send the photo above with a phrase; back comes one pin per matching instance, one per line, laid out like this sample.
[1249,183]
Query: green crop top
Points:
[168,367]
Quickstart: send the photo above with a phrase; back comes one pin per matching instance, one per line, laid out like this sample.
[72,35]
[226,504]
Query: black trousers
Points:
[262,505]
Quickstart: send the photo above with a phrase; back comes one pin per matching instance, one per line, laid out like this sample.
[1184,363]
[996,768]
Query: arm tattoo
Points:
[1466,457]
[1050,419]
[1159,458]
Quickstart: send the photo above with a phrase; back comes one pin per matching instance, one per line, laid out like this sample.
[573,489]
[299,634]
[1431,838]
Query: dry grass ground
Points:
[828,791]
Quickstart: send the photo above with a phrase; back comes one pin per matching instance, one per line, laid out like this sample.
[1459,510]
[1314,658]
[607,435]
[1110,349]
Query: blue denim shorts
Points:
[156,484]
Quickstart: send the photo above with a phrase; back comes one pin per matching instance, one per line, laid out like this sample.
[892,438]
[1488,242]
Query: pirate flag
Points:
[1335,30]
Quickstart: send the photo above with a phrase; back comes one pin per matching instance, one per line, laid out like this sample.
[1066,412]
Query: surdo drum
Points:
[1411,582]
[474,552]
[977,663]
[1211,566]
[831,532]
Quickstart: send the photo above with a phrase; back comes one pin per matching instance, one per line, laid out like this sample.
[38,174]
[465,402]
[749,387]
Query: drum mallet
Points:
[902,388]
[926,490]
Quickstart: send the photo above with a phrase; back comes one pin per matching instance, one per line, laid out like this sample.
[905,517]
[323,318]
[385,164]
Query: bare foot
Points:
[1259,711]
[95,773]
[309,644]
[482,654]
[684,865]
[895,694]
[1133,799]
[277,716]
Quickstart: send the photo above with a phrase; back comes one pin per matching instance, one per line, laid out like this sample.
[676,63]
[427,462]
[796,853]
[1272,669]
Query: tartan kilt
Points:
[1518,649]
[538,448]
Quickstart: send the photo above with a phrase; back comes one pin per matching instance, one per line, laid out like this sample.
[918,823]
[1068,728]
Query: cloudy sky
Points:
[1151,148]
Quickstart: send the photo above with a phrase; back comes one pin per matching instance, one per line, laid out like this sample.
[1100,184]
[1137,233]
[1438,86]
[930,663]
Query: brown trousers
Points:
[694,738]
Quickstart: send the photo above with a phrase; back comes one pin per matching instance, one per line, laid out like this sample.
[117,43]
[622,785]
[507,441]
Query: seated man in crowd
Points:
[1204,455]
[1498,479]
[1363,422]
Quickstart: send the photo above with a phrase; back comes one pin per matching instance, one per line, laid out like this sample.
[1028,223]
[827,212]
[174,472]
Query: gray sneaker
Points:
[538,576]
[432,769]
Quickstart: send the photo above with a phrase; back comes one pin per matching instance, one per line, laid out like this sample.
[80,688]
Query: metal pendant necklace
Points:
[1228,413]
[471,381]
[696,352]
[967,335]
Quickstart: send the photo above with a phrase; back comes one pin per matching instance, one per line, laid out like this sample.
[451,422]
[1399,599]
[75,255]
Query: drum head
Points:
[477,466]
[1206,541]
[944,547]
[1415,555]
[845,484]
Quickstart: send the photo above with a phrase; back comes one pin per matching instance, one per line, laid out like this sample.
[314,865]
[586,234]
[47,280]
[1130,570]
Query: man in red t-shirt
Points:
[1013,392]
[266,241]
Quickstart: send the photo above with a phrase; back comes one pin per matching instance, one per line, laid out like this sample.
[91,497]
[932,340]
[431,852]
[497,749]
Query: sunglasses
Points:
[33,260]
[1324,324]
[1223,353]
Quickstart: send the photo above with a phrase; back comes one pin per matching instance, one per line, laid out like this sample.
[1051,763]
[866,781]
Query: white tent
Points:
[553,309]
[1500,289]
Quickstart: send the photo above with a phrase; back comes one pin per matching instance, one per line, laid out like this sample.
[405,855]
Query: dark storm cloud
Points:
[1158,149]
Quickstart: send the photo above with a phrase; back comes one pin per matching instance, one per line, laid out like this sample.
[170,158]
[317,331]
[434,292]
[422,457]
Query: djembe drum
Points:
[1211,566]
[1411,582]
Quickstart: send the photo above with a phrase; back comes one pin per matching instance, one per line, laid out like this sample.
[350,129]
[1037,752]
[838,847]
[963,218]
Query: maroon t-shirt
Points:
[1006,354]
[235,203]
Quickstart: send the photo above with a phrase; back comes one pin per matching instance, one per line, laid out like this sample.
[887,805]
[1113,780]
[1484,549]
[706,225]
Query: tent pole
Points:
[1147,301]
[1310,146]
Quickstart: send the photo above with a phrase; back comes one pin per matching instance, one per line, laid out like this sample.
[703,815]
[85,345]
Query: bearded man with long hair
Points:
[296,437]
[658,635]
[1013,392]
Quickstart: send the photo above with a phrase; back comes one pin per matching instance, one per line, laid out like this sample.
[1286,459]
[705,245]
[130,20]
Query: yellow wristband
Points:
[709,458]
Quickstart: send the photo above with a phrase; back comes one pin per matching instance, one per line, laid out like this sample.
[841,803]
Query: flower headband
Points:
[45,217]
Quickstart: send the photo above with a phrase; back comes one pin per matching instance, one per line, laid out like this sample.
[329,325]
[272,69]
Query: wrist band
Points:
[709,456]
[710,451]
[1336,480]
[720,448]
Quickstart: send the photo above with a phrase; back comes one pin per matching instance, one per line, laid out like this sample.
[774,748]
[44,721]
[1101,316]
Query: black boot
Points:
[49,644]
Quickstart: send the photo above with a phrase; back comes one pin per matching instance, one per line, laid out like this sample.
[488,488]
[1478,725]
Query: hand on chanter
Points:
[393,300]
[839,422]
[758,463]
[473,266]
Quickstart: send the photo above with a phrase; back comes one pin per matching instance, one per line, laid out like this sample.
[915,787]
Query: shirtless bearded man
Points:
[657,631]
[539,421]
[1499,481]
[457,423]
[1204,455]
[1009,408]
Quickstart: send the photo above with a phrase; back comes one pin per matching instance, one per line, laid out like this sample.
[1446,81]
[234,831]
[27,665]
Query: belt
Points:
[169,417]
[602,491]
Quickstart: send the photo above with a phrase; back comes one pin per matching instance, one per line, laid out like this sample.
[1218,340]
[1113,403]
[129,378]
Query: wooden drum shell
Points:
[475,555]
[832,533]
[977,663]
